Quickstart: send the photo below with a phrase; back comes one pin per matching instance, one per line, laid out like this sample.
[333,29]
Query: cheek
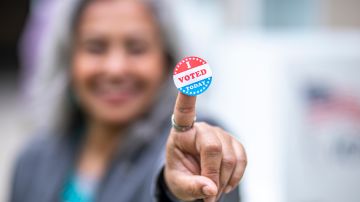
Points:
[154,71]
[82,71]
[82,66]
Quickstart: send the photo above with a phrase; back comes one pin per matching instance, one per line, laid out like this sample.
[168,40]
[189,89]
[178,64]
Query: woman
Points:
[110,145]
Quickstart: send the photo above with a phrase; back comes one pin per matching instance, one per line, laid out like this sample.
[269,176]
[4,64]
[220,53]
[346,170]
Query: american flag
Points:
[327,104]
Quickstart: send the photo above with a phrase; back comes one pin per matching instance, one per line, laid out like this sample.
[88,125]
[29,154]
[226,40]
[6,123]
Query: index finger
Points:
[184,110]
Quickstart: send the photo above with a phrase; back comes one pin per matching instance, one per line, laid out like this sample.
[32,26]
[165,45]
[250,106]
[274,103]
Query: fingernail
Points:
[207,191]
[228,189]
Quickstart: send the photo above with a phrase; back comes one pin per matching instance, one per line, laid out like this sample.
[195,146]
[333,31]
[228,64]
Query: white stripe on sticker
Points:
[193,75]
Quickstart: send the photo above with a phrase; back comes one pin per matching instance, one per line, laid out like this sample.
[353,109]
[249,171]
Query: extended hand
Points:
[203,162]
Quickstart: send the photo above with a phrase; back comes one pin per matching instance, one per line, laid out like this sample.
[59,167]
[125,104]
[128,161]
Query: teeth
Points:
[113,88]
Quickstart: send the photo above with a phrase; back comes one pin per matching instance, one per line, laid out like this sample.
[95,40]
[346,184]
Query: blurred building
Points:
[284,15]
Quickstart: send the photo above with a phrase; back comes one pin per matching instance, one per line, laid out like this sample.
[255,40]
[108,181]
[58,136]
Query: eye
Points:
[95,46]
[136,46]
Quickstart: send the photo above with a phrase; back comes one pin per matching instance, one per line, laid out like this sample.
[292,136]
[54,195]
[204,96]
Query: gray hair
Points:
[50,104]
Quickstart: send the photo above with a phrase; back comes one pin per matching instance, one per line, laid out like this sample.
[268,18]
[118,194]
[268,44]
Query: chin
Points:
[118,117]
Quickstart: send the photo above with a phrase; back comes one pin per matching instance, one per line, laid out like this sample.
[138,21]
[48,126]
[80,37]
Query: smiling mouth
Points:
[116,93]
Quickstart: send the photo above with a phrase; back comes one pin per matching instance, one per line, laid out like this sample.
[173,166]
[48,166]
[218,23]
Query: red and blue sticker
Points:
[192,76]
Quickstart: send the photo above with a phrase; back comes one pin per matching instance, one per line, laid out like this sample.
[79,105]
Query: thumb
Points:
[191,187]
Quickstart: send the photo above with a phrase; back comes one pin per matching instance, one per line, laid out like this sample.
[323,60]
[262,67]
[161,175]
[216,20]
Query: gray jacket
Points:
[47,162]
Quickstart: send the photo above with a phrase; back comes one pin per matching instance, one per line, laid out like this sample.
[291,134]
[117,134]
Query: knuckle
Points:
[230,137]
[201,125]
[213,149]
[220,130]
[242,161]
[217,128]
[185,109]
[229,162]
[212,172]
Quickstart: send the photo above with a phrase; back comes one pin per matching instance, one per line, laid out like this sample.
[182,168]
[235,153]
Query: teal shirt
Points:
[79,188]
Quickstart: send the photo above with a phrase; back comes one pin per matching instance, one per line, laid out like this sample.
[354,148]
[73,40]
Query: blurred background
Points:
[286,82]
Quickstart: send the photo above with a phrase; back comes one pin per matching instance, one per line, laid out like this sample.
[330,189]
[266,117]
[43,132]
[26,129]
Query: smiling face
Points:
[118,63]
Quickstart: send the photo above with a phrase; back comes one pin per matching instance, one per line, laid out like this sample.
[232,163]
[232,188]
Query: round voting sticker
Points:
[192,76]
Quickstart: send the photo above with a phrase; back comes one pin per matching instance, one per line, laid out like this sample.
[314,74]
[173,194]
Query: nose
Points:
[116,63]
